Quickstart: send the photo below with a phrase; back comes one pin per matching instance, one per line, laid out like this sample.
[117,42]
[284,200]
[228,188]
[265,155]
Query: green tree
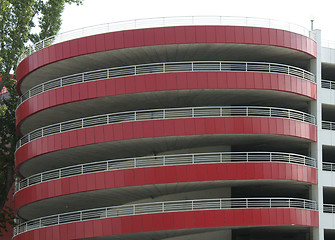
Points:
[17,19]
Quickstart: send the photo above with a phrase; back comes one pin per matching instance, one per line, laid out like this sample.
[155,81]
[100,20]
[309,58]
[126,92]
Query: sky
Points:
[300,12]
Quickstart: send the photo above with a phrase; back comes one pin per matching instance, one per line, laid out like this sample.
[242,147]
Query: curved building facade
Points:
[177,128]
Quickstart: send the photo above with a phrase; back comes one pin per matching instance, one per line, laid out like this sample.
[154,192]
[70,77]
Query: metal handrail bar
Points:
[162,22]
[194,66]
[164,160]
[328,125]
[161,207]
[328,166]
[328,43]
[168,113]
[328,208]
[328,84]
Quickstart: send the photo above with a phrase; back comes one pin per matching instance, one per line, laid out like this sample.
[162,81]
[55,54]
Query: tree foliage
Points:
[17,19]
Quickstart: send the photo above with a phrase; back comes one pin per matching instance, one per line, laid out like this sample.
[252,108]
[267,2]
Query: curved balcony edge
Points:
[169,113]
[163,207]
[162,22]
[164,160]
[196,66]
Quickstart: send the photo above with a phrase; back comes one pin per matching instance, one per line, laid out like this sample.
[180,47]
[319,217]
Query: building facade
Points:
[177,128]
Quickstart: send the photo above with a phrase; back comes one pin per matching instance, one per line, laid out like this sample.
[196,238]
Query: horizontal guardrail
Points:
[329,208]
[328,125]
[328,84]
[328,44]
[169,113]
[164,160]
[328,166]
[162,22]
[161,207]
[196,66]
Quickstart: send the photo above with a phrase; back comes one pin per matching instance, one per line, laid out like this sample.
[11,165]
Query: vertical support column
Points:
[316,192]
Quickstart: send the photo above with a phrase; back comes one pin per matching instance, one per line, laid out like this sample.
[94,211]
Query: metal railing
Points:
[161,207]
[328,84]
[328,125]
[328,43]
[328,166]
[163,22]
[329,208]
[168,113]
[196,66]
[164,160]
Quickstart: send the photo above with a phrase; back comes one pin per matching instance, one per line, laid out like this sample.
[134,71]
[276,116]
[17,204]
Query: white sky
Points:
[300,12]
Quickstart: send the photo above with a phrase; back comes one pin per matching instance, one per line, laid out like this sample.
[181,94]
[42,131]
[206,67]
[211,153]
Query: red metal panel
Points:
[129,39]
[91,44]
[181,174]
[293,40]
[140,176]
[150,176]
[231,81]
[128,130]
[149,37]
[73,139]
[52,57]
[180,35]
[241,80]
[211,34]
[109,41]
[139,37]
[265,36]
[257,36]
[148,130]
[90,182]
[101,88]
[66,50]
[150,83]
[171,172]
[168,221]
[220,34]
[200,34]
[109,179]
[230,34]
[239,35]
[248,35]
[159,36]
[44,56]
[82,180]
[80,230]
[127,224]
[160,175]
[89,132]
[273,36]
[212,80]
[82,46]
[118,40]
[129,177]
[239,125]
[59,53]
[97,228]
[287,39]
[147,222]
[119,178]
[170,82]
[66,94]
[119,86]
[74,45]
[190,34]
[92,89]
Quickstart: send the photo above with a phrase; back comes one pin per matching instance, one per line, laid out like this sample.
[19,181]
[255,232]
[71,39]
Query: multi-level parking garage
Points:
[177,128]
